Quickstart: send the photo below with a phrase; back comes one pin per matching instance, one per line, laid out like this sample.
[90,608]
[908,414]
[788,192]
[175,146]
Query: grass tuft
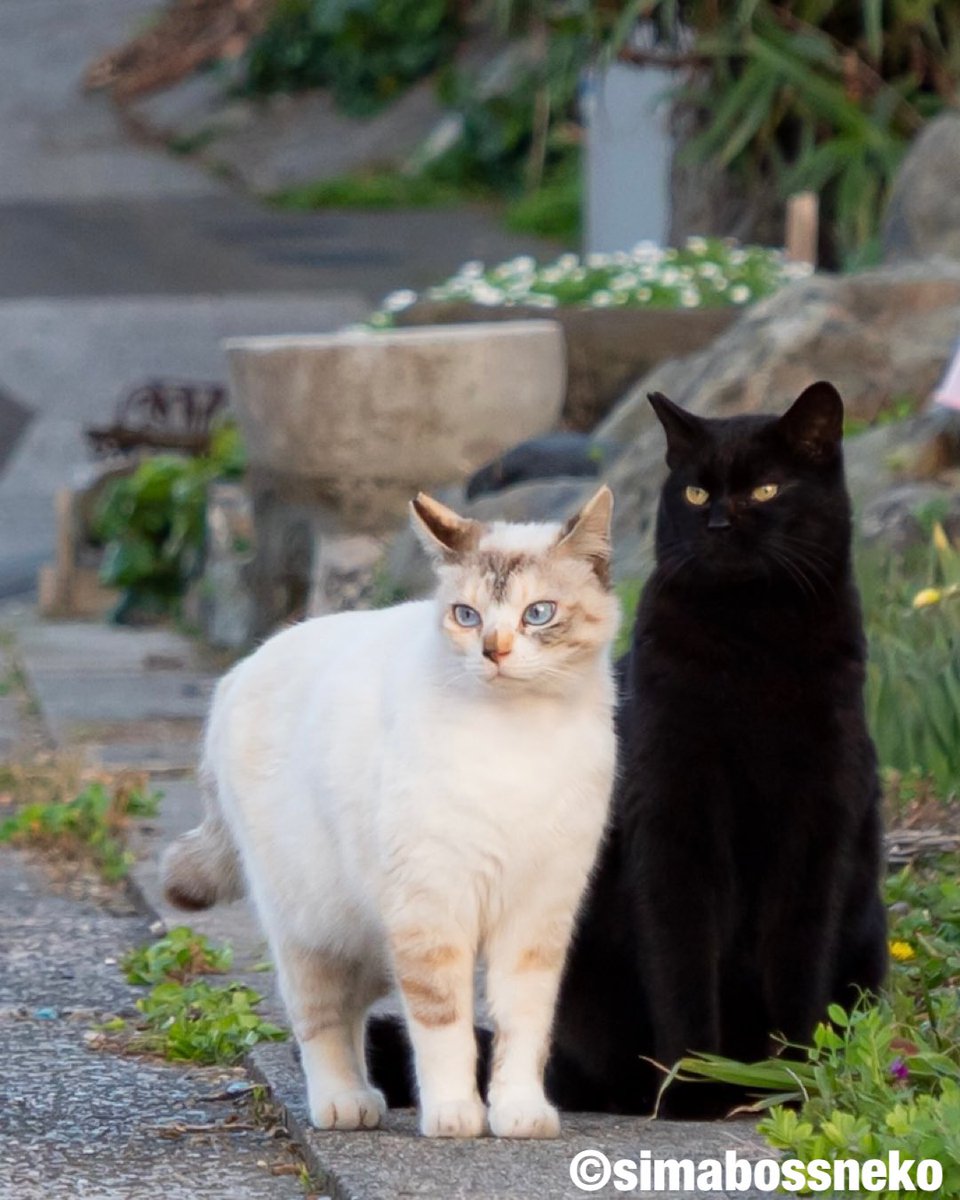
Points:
[88,827]
[375,189]
[183,1018]
[179,955]
[201,1023]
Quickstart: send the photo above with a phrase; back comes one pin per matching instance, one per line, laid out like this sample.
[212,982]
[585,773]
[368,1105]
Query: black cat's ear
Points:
[444,534]
[813,424]
[684,431]
[587,534]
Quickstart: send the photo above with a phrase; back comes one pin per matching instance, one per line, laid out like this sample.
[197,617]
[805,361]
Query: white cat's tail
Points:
[202,868]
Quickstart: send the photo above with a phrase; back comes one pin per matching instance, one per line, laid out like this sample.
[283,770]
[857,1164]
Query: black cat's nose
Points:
[719,517]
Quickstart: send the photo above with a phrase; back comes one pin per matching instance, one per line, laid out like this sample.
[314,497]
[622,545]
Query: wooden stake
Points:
[803,225]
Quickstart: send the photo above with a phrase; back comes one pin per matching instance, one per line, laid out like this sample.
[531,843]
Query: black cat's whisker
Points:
[671,565]
[817,564]
[791,563]
[809,573]
[810,547]
[794,570]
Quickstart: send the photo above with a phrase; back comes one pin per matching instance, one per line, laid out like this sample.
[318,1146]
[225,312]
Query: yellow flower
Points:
[940,539]
[901,951]
[927,597]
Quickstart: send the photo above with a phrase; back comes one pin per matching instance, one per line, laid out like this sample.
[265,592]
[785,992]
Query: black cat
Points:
[738,894]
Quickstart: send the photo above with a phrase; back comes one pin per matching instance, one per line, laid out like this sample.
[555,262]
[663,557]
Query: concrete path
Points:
[79,1122]
[55,144]
[136,698]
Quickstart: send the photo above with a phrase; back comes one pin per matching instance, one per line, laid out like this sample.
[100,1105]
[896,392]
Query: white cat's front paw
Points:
[524,1115]
[359,1108]
[454,1119]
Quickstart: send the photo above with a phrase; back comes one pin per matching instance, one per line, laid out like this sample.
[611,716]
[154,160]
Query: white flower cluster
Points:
[704,273]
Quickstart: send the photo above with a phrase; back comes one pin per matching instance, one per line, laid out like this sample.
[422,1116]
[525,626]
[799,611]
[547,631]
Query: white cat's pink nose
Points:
[497,645]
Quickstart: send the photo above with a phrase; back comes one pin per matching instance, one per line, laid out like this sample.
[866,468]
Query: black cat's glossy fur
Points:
[738,894]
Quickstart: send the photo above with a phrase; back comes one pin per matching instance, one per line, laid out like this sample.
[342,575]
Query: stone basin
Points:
[355,423]
[608,349]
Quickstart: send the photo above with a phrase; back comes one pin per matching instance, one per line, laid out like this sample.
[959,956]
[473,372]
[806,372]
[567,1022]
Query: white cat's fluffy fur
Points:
[407,794]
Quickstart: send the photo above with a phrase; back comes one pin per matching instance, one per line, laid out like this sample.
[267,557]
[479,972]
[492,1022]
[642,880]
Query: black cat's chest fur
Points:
[738,892]
[763,719]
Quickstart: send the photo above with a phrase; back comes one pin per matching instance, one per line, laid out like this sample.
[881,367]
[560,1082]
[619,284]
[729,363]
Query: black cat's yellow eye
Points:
[696,496]
[766,491]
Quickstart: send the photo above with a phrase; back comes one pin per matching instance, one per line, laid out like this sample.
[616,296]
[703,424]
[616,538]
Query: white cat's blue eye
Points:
[466,616]
[541,612]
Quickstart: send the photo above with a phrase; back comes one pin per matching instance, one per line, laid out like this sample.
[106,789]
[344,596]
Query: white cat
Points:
[412,788]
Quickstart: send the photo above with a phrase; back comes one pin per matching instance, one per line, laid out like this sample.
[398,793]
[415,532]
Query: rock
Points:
[881,336]
[900,516]
[343,570]
[549,457]
[15,417]
[221,602]
[607,349]
[923,213]
[283,141]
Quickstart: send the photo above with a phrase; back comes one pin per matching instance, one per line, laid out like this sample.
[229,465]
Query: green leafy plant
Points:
[179,955]
[816,95]
[366,51]
[90,826]
[196,1022]
[183,1018]
[887,1075]
[152,523]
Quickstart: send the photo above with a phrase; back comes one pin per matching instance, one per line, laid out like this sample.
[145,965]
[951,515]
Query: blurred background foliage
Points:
[806,94]
[912,617]
[366,51]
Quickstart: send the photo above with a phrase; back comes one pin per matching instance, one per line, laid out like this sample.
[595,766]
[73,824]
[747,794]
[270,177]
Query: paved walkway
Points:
[78,1122]
[136,698]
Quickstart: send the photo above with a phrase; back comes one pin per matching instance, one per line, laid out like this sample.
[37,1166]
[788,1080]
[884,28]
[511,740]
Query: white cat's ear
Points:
[587,534]
[444,534]
[813,424]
